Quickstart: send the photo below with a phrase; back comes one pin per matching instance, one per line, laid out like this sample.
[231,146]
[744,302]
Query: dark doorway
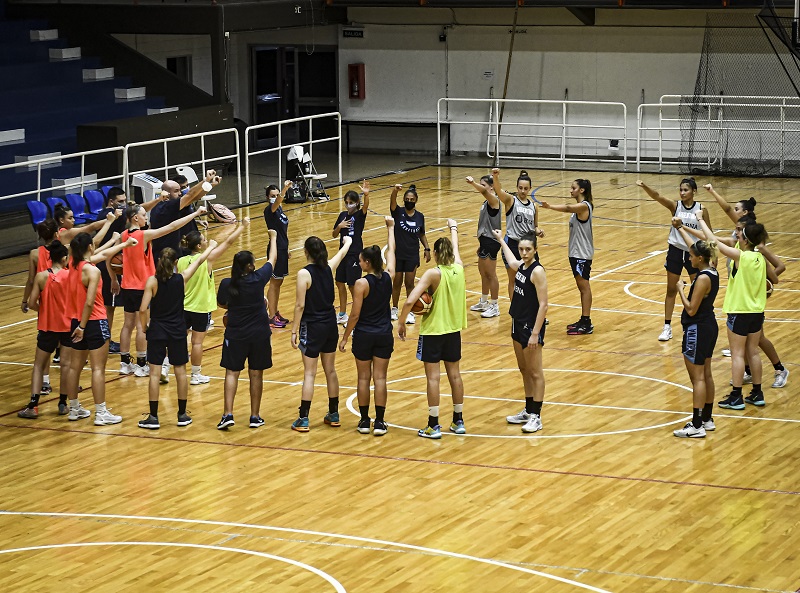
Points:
[181,66]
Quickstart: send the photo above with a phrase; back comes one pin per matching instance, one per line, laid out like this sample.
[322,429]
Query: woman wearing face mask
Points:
[522,217]
[409,232]
[488,247]
[350,223]
[277,221]
[678,251]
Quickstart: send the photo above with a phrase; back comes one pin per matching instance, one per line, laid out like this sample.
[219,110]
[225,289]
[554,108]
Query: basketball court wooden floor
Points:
[603,499]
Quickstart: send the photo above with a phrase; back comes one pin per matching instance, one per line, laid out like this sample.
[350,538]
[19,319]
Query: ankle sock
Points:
[154,409]
[181,407]
[697,421]
[305,407]
[333,405]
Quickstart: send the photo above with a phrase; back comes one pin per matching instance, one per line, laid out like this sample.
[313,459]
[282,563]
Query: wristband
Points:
[81,328]
[427,249]
[207,187]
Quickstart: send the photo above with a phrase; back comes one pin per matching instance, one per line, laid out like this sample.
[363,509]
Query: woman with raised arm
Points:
[678,252]
[580,248]
[67,231]
[409,232]
[488,247]
[277,221]
[166,332]
[522,217]
[699,335]
[370,322]
[137,267]
[248,336]
[350,223]
[440,330]
[314,329]
[200,299]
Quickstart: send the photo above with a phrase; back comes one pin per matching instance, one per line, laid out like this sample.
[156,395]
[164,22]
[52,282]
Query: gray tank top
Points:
[581,239]
[687,215]
[519,219]
[488,221]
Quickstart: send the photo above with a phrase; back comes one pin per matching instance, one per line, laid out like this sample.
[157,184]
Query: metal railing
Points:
[167,165]
[560,121]
[280,147]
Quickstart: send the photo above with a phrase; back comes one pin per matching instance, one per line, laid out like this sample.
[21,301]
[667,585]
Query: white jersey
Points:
[519,218]
[687,216]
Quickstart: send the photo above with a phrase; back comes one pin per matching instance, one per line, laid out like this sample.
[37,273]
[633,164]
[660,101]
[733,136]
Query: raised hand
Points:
[389,221]
[364,187]
[470,179]
[201,210]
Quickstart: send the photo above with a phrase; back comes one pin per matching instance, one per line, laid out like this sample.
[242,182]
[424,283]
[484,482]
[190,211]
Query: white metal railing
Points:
[716,124]
[561,122]
[83,180]
[167,164]
[280,147]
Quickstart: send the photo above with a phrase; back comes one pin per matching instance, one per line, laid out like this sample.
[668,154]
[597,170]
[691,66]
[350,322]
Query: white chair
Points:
[187,172]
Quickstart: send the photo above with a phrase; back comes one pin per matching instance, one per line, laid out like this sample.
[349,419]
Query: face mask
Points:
[272,200]
[184,191]
[351,207]
[409,205]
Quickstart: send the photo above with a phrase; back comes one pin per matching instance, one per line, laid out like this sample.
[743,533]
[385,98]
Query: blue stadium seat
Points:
[53,202]
[105,189]
[78,205]
[37,211]
[95,200]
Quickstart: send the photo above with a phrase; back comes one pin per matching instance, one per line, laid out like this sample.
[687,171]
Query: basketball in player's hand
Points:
[116,263]
[423,304]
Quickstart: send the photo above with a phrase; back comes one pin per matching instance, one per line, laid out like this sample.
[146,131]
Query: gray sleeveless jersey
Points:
[487,222]
[687,215]
[519,219]
[581,239]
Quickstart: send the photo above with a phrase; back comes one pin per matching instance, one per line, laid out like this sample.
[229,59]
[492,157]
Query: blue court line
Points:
[548,184]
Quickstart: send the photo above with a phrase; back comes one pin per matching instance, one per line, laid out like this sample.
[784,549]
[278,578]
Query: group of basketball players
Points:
[172,295]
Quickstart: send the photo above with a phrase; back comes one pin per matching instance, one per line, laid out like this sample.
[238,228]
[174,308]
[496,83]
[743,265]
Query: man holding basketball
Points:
[440,331]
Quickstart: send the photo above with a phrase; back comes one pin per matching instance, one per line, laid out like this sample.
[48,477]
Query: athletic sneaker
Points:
[520,418]
[411,319]
[726,352]
[666,333]
[690,432]
[141,371]
[580,329]
[757,399]
[732,403]
[126,368]
[57,357]
[164,378]
[198,379]
[31,413]
[184,419]
[256,421]
[300,425]
[63,409]
[709,425]
[341,318]
[225,422]
[78,413]
[46,389]
[780,379]
[106,417]
[151,422]
[533,425]
[363,426]
[746,379]
[113,347]
[379,428]
[480,306]
[458,427]
[277,322]
[395,313]
[493,310]
[430,432]
[546,321]
[332,419]
[281,317]
[571,325]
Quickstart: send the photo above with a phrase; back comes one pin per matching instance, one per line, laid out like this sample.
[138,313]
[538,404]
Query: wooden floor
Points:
[603,499]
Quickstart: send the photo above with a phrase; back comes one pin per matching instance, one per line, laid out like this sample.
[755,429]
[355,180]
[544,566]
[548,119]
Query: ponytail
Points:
[523,176]
[373,256]
[317,251]
[79,246]
[586,186]
[58,251]
[443,250]
[191,240]
[165,267]
[706,249]
[47,229]
[60,213]
[243,264]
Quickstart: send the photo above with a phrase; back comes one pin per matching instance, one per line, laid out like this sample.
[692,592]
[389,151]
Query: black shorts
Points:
[110,300]
[678,260]
[348,271]
[488,248]
[743,324]
[409,264]
[367,346]
[95,336]
[48,341]
[699,340]
[197,322]
[132,300]
[580,267]
[257,353]
[521,332]
[446,347]
[157,351]
[281,269]
[318,338]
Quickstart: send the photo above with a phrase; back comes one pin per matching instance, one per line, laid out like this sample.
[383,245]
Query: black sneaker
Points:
[184,419]
[732,403]
[379,428]
[756,398]
[151,422]
[46,389]
[576,324]
[363,426]
[113,347]
[580,329]
[256,421]
[227,420]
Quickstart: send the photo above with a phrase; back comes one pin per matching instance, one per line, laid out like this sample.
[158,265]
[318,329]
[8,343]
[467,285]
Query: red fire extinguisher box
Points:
[355,81]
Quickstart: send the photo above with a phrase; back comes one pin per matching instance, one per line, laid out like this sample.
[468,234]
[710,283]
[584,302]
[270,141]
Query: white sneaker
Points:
[479,306]
[411,319]
[199,379]
[780,378]
[534,424]
[78,413]
[210,323]
[520,418]
[666,333]
[690,432]
[106,417]
[341,318]
[395,313]
[746,380]
[493,310]
[126,368]
[709,425]
[164,379]
[726,352]
[141,371]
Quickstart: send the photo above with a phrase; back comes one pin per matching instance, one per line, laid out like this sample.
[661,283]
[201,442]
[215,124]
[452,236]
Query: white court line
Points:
[18,323]
[336,584]
[629,292]
[11,286]
[641,259]
[368,540]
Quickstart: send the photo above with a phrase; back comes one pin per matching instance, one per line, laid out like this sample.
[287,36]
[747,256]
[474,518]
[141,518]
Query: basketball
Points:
[116,263]
[769,288]
[423,304]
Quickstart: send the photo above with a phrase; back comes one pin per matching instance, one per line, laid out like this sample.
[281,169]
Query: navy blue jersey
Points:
[320,296]
[247,316]
[354,231]
[163,214]
[376,310]
[705,313]
[407,232]
[278,222]
[167,320]
[525,301]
